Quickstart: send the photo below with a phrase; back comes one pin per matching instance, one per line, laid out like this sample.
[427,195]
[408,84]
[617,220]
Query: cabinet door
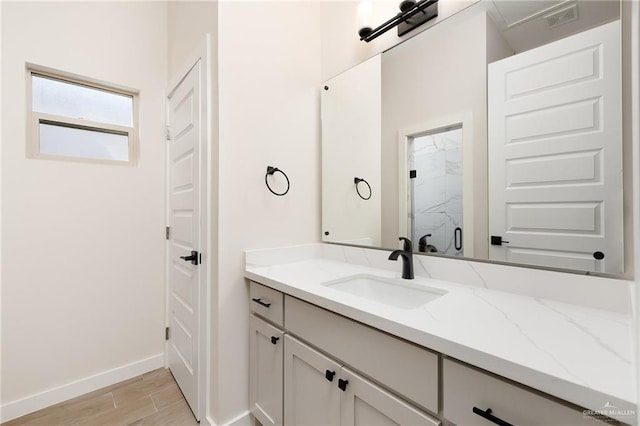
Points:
[365,404]
[265,371]
[311,395]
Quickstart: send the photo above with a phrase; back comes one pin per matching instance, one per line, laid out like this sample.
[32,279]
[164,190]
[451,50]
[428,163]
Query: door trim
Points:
[463,119]
[200,53]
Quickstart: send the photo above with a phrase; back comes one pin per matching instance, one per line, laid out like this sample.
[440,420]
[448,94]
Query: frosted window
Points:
[72,100]
[83,143]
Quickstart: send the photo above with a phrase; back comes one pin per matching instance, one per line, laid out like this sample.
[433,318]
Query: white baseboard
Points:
[242,420]
[20,407]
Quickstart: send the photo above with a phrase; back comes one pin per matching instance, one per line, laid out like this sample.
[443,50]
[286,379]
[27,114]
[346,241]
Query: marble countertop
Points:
[579,354]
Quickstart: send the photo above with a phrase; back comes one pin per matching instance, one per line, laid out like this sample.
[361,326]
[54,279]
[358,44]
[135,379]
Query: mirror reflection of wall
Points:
[350,108]
[439,79]
[447,84]
[435,168]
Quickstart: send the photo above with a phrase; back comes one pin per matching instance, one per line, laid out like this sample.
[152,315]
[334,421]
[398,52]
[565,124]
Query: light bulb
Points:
[365,10]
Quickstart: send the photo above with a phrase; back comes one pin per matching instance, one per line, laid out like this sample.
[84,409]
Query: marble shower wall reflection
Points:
[436,190]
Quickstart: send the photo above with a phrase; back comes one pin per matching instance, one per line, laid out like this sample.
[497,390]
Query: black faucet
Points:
[407,258]
[424,247]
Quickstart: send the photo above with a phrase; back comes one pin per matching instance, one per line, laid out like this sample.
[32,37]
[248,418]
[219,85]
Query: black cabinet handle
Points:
[260,302]
[598,255]
[487,415]
[342,384]
[274,339]
[329,375]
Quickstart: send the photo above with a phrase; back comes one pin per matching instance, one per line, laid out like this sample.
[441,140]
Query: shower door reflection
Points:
[435,164]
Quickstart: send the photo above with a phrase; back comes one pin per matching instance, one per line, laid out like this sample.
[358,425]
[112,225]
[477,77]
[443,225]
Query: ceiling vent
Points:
[562,17]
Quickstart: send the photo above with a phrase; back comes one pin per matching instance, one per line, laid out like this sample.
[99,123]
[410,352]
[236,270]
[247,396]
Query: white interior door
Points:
[555,154]
[185,243]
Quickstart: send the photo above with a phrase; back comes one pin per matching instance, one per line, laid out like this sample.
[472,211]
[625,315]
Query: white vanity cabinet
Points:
[495,400]
[267,303]
[265,367]
[311,366]
[407,369]
[320,391]
[311,395]
[266,351]
[292,383]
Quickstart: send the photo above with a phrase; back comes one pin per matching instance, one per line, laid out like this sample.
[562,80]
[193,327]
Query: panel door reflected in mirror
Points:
[555,154]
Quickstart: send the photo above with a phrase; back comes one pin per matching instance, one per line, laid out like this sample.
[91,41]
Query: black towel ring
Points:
[357,180]
[271,171]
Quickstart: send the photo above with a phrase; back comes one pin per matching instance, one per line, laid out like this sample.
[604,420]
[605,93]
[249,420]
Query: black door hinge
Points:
[167,233]
[166,333]
[413,174]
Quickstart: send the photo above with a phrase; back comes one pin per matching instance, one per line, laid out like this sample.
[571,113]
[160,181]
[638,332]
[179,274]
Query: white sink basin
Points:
[399,293]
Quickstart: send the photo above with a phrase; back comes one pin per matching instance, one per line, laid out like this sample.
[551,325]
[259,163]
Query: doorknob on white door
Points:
[194,258]
[497,240]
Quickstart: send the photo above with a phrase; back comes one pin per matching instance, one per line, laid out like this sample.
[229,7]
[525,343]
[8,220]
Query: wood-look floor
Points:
[150,399]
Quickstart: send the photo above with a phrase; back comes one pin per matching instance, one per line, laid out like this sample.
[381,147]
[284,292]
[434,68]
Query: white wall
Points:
[632,85]
[351,124]
[82,244]
[268,73]
[269,80]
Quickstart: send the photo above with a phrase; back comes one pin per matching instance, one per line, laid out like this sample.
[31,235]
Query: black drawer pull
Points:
[342,384]
[260,302]
[487,415]
[274,339]
[329,375]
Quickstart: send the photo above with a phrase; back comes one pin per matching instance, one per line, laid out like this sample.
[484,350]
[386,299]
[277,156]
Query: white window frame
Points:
[36,118]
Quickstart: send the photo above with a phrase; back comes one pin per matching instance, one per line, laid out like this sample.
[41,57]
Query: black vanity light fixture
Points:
[412,15]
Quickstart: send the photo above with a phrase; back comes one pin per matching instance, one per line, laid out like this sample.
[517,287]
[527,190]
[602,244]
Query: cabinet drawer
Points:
[466,388]
[267,303]
[407,369]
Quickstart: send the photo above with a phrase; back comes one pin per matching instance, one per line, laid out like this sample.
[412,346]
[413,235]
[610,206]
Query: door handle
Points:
[497,240]
[457,238]
[194,258]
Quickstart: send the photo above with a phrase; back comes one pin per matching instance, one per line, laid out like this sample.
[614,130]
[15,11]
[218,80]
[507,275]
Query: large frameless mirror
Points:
[495,134]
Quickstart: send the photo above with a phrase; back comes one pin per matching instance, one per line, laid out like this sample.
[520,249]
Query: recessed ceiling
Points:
[514,12]
[526,24]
